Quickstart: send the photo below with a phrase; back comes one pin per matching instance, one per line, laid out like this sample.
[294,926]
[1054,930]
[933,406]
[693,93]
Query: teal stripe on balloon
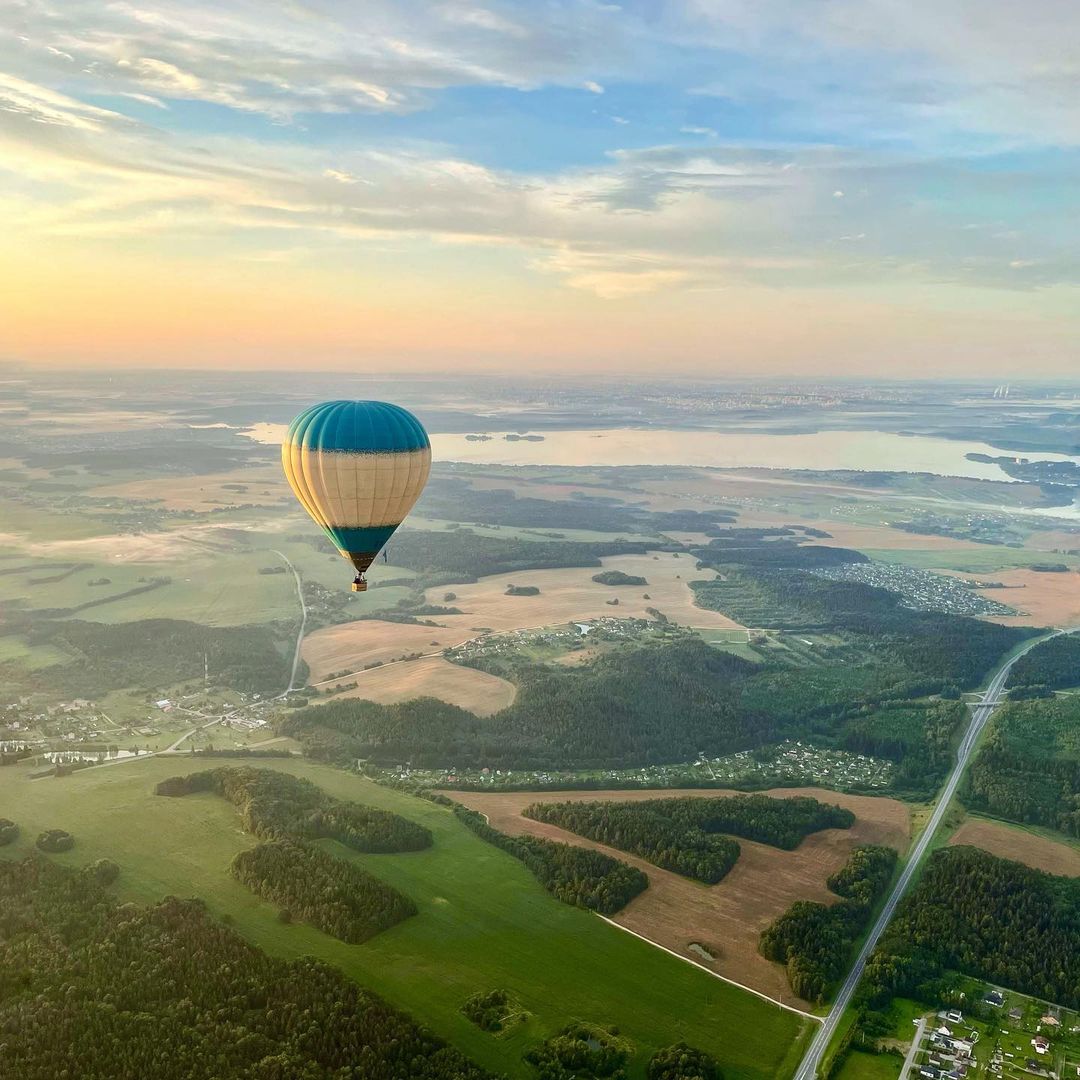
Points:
[364,427]
[362,540]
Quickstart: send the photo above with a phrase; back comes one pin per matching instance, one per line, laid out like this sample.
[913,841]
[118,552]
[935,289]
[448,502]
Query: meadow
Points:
[484,921]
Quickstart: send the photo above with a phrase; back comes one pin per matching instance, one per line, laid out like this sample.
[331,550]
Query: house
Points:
[1050,1021]
[1041,1044]
[954,1016]
[1016,1014]
[995,998]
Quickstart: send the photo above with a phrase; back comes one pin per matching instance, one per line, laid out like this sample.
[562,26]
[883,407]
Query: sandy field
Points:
[1054,540]
[565,596]
[265,486]
[1008,842]
[571,594]
[350,646]
[726,918]
[432,676]
[123,547]
[1045,599]
[881,537]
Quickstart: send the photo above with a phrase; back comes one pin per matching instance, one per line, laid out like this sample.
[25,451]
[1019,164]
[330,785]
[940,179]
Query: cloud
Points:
[894,207]
[898,69]
[41,105]
[287,60]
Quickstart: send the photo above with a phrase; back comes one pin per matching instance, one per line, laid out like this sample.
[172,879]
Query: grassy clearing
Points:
[484,922]
[859,1065]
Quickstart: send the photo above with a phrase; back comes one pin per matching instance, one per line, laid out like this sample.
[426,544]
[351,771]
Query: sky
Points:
[701,187]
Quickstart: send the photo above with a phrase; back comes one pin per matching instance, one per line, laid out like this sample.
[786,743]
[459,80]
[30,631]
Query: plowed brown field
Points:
[726,918]
[1009,842]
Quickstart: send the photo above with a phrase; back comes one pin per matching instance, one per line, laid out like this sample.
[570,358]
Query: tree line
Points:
[196,1002]
[331,894]
[984,917]
[692,836]
[814,941]
[276,805]
[576,875]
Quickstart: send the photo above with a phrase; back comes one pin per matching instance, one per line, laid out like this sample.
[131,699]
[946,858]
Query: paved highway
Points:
[979,715]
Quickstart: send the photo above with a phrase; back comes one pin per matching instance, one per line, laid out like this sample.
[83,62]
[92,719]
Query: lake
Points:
[866,451]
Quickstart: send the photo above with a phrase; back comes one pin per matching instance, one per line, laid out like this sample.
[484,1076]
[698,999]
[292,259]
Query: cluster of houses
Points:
[951,1055]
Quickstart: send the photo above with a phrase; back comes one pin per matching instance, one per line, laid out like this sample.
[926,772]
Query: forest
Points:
[926,652]
[196,1001]
[150,653]
[456,556]
[687,836]
[894,693]
[682,1062]
[984,917]
[492,1010]
[582,1052]
[632,705]
[618,577]
[1054,663]
[575,875]
[814,941]
[457,500]
[1028,768]
[276,805]
[313,886]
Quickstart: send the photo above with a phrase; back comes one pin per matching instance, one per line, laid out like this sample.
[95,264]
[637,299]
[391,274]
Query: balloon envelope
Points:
[357,467]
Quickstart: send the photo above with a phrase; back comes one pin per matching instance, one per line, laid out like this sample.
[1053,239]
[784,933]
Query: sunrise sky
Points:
[705,187]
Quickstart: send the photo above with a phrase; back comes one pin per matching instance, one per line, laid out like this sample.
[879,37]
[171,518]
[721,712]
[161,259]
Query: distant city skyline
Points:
[704,187]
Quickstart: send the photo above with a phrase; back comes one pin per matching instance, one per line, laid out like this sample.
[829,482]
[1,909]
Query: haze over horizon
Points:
[711,187]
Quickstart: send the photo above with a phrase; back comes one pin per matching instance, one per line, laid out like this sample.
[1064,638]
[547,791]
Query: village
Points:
[919,589]
[790,762]
[1002,1036]
[79,733]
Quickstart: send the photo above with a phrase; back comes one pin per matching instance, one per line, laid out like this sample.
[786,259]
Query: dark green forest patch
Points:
[196,1001]
[1028,769]
[278,806]
[330,894]
[984,917]
[692,837]
[814,941]
[576,875]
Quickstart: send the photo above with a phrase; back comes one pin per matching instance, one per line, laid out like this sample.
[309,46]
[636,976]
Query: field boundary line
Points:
[714,974]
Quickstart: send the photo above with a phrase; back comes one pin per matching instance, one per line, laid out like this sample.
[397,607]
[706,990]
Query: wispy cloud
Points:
[769,145]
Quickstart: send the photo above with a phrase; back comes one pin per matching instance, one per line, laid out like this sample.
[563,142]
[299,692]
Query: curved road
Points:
[303,624]
[979,715]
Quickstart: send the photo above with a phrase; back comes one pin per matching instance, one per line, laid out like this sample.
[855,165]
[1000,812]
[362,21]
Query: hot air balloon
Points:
[357,467]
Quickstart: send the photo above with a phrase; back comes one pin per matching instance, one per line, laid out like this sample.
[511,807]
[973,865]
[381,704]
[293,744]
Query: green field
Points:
[216,586]
[984,559]
[859,1065]
[484,921]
